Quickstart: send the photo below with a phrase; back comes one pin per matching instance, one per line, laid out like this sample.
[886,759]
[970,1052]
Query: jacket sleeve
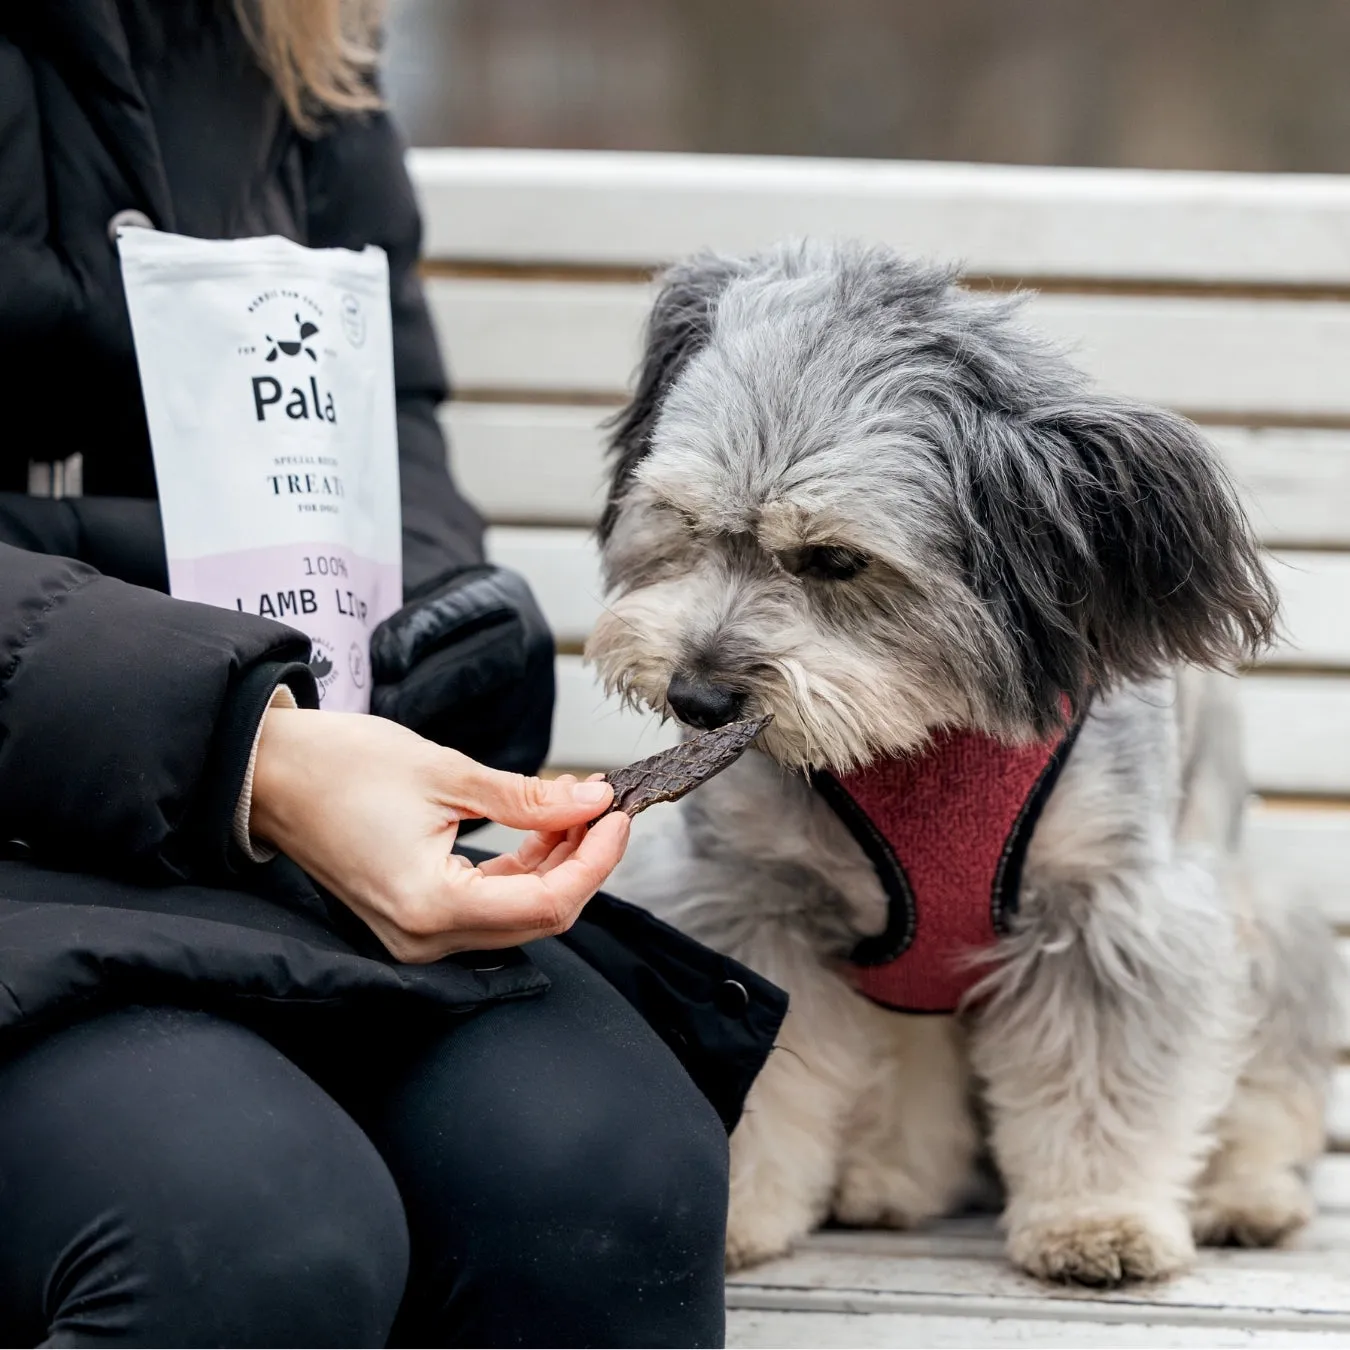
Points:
[37,296]
[127,718]
[358,194]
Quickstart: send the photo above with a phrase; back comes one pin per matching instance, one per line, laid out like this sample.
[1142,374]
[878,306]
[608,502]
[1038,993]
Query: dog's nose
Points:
[703,704]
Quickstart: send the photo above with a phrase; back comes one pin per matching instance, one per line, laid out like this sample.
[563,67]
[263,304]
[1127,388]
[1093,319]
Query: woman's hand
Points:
[370,810]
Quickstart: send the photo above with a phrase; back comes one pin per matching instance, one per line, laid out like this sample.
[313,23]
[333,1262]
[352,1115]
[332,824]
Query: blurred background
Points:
[1189,84]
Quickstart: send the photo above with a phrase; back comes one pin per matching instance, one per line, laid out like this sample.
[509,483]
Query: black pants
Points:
[542,1173]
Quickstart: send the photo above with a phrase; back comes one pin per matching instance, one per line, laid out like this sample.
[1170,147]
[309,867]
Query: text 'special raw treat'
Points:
[670,775]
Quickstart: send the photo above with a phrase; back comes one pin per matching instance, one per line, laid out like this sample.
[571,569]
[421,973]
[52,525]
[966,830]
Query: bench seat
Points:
[1224,296]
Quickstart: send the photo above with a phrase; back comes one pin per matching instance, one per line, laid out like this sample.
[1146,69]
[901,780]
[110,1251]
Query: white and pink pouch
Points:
[268,377]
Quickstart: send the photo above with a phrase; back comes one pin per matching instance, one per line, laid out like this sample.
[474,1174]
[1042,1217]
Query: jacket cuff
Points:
[244,841]
[235,755]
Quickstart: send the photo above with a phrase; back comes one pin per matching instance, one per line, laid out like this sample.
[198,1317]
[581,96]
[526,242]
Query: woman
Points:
[244,1102]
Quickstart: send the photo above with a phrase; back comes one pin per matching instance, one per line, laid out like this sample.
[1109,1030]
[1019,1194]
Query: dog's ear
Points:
[677,328]
[1109,543]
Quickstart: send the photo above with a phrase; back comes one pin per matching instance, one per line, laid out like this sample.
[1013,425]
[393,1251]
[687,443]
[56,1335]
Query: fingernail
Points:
[590,794]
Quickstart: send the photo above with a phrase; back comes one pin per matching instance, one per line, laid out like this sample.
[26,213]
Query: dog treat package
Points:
[268,377]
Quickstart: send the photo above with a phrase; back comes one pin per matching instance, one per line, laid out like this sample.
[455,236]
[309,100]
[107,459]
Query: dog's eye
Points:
[824,562]
[687,519]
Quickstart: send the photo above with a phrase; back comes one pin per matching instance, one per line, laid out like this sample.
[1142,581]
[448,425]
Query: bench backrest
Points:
[1224,296]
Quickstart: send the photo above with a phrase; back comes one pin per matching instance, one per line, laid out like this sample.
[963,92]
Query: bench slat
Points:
[539,465]
[1230,1290]
[1304,852]
[1296,482]
[965,1254]
[564,570]
[544,464]
[1259,358]
[785,1328]
[1295,852]
[591,731]
[1297,733]
[975,1234]
[559,336]
[1314,609]
[1298,853]
[1298,730]
[642,209]
[969,1247]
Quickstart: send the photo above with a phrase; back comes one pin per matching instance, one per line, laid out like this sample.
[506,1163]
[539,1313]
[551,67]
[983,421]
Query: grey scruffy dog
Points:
[854,495]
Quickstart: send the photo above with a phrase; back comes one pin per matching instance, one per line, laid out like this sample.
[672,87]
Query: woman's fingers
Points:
[524,803]
[541,902]
[533,853]
[538,852]
[495,910]
[563,850]
[421,951]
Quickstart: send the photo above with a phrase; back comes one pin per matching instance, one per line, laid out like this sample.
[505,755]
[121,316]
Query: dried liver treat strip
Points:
[670,775]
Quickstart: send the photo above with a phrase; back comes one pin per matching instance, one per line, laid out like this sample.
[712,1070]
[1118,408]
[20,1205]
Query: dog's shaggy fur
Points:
[854,495]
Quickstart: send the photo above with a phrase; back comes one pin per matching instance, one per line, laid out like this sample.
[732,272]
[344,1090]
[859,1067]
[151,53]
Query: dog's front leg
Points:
[785,1153]
[911,1144]
[1108,1048]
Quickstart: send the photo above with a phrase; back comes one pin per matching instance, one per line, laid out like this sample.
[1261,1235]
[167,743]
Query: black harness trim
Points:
[902,914]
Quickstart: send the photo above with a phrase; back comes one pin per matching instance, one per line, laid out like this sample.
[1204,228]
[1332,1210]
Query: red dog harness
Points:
[947,830]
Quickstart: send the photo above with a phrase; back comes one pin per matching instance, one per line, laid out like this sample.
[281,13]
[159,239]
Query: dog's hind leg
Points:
[911,1142]
[1254,1191]
[1109,1046]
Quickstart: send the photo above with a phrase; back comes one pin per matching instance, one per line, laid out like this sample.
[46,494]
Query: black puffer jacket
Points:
[126,717]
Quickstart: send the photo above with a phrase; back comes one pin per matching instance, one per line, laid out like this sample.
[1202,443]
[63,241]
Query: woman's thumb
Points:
[530,803]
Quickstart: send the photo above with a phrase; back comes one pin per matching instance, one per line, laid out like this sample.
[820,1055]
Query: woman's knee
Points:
[648,1158]
[568,1106]
[565,1179]
[646,1205]
[196,1188]
[614,1235]
[552,1235]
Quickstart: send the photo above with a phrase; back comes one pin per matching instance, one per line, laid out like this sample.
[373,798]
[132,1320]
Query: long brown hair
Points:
[320,54]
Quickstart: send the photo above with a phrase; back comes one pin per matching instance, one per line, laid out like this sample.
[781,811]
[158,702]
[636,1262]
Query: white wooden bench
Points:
[1224,296]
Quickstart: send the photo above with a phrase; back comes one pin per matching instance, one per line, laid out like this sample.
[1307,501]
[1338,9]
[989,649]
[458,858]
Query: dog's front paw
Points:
[753,1238]
[1102,1244]
[870,1195]
[1252,1211]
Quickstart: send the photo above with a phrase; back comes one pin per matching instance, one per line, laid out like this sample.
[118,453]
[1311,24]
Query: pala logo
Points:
[307,330]
[304,401]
